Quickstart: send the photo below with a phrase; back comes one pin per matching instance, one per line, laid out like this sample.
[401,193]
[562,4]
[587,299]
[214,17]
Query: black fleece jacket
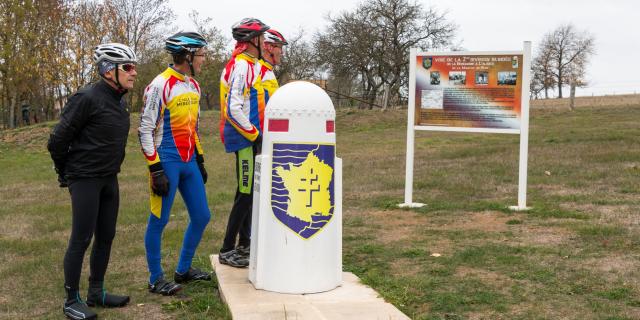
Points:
[90,139]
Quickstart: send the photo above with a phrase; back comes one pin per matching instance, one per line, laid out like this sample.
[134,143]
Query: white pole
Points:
[411,110]
[524,130]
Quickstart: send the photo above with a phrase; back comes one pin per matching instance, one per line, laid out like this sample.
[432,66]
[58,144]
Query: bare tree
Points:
[140,23]
[536,86]
[542,68]
[575,76]
[569,50]
[298,61]
[209,77]
[374,41]
[345,49]
[400,25]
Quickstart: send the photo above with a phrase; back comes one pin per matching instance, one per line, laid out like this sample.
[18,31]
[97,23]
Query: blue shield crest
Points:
[426,62]
[302,186]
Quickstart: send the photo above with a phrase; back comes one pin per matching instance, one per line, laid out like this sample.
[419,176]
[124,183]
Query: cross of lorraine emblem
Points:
[302,186]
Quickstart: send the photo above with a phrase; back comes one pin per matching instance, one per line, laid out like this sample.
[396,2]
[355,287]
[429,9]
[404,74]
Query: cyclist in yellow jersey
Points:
[240,129]
[272,55]
[171,144]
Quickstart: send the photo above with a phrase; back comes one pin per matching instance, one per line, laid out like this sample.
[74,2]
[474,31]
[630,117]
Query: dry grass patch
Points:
[394,225]
[405,267]
[489,221]
[18,226]
[560,190]
[618,265]
[440,246]
[133,265]
[495,279]
[484,316]
[34,137]
[541,235]
[147,311]
[23,194]
[627,214]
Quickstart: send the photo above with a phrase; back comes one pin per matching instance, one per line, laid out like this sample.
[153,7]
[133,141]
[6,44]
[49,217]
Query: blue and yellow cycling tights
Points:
[186,177]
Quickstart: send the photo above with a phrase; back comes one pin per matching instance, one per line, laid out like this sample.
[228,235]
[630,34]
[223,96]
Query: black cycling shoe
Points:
[192,275]
[78,310]
[233,258]
[103,299]
[164,287]
[244,251]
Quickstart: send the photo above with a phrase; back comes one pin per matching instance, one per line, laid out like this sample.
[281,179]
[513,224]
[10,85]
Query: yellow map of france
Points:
[308,186]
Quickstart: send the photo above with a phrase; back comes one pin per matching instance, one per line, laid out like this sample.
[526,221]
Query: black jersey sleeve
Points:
[73,118]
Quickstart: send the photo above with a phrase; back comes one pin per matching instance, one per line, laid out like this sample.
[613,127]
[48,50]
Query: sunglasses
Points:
[127,67]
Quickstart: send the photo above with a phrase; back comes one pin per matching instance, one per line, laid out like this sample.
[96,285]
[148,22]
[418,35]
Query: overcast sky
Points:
[489,25]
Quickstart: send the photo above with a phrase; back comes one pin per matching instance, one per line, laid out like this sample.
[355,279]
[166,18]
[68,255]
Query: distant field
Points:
[573,256]
[581,102]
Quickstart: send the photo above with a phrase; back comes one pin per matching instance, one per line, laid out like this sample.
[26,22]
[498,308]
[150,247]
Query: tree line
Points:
[361,55]
[47,48]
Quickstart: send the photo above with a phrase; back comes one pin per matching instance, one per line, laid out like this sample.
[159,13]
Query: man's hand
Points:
[258,144]
[62,181]
[203,171]
[159,181]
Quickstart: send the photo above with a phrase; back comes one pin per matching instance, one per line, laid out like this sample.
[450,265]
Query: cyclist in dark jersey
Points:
[87,147]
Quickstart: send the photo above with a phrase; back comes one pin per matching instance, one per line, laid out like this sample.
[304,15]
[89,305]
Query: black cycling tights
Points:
[239,224]
[94,203]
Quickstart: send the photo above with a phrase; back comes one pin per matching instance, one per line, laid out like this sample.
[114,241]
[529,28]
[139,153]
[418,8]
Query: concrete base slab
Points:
[411,205]
[352,300]
[518,208]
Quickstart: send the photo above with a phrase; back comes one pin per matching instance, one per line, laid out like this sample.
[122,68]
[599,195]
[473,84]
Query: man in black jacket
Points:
[87,147]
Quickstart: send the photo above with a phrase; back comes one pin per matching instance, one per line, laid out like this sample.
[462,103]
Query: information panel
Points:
[457,90]
[460,91]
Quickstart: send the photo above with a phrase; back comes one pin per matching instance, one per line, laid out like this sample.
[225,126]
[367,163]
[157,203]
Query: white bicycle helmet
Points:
[273,36]
[117,53]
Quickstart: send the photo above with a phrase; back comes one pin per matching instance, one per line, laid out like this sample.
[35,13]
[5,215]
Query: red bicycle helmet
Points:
[247,29]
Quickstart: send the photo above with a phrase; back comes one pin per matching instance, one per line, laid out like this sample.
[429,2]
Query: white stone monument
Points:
[296,231]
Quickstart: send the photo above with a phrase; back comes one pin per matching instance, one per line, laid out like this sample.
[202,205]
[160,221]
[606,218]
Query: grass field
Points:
[575,255]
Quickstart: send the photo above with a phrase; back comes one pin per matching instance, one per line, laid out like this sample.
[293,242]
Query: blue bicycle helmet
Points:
[184,41]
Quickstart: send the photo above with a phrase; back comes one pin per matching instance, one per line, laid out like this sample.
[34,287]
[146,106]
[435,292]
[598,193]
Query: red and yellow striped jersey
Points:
[169,119]
[240,105]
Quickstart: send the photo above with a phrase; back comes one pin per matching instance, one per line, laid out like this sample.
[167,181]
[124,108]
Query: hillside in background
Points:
[595,101]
